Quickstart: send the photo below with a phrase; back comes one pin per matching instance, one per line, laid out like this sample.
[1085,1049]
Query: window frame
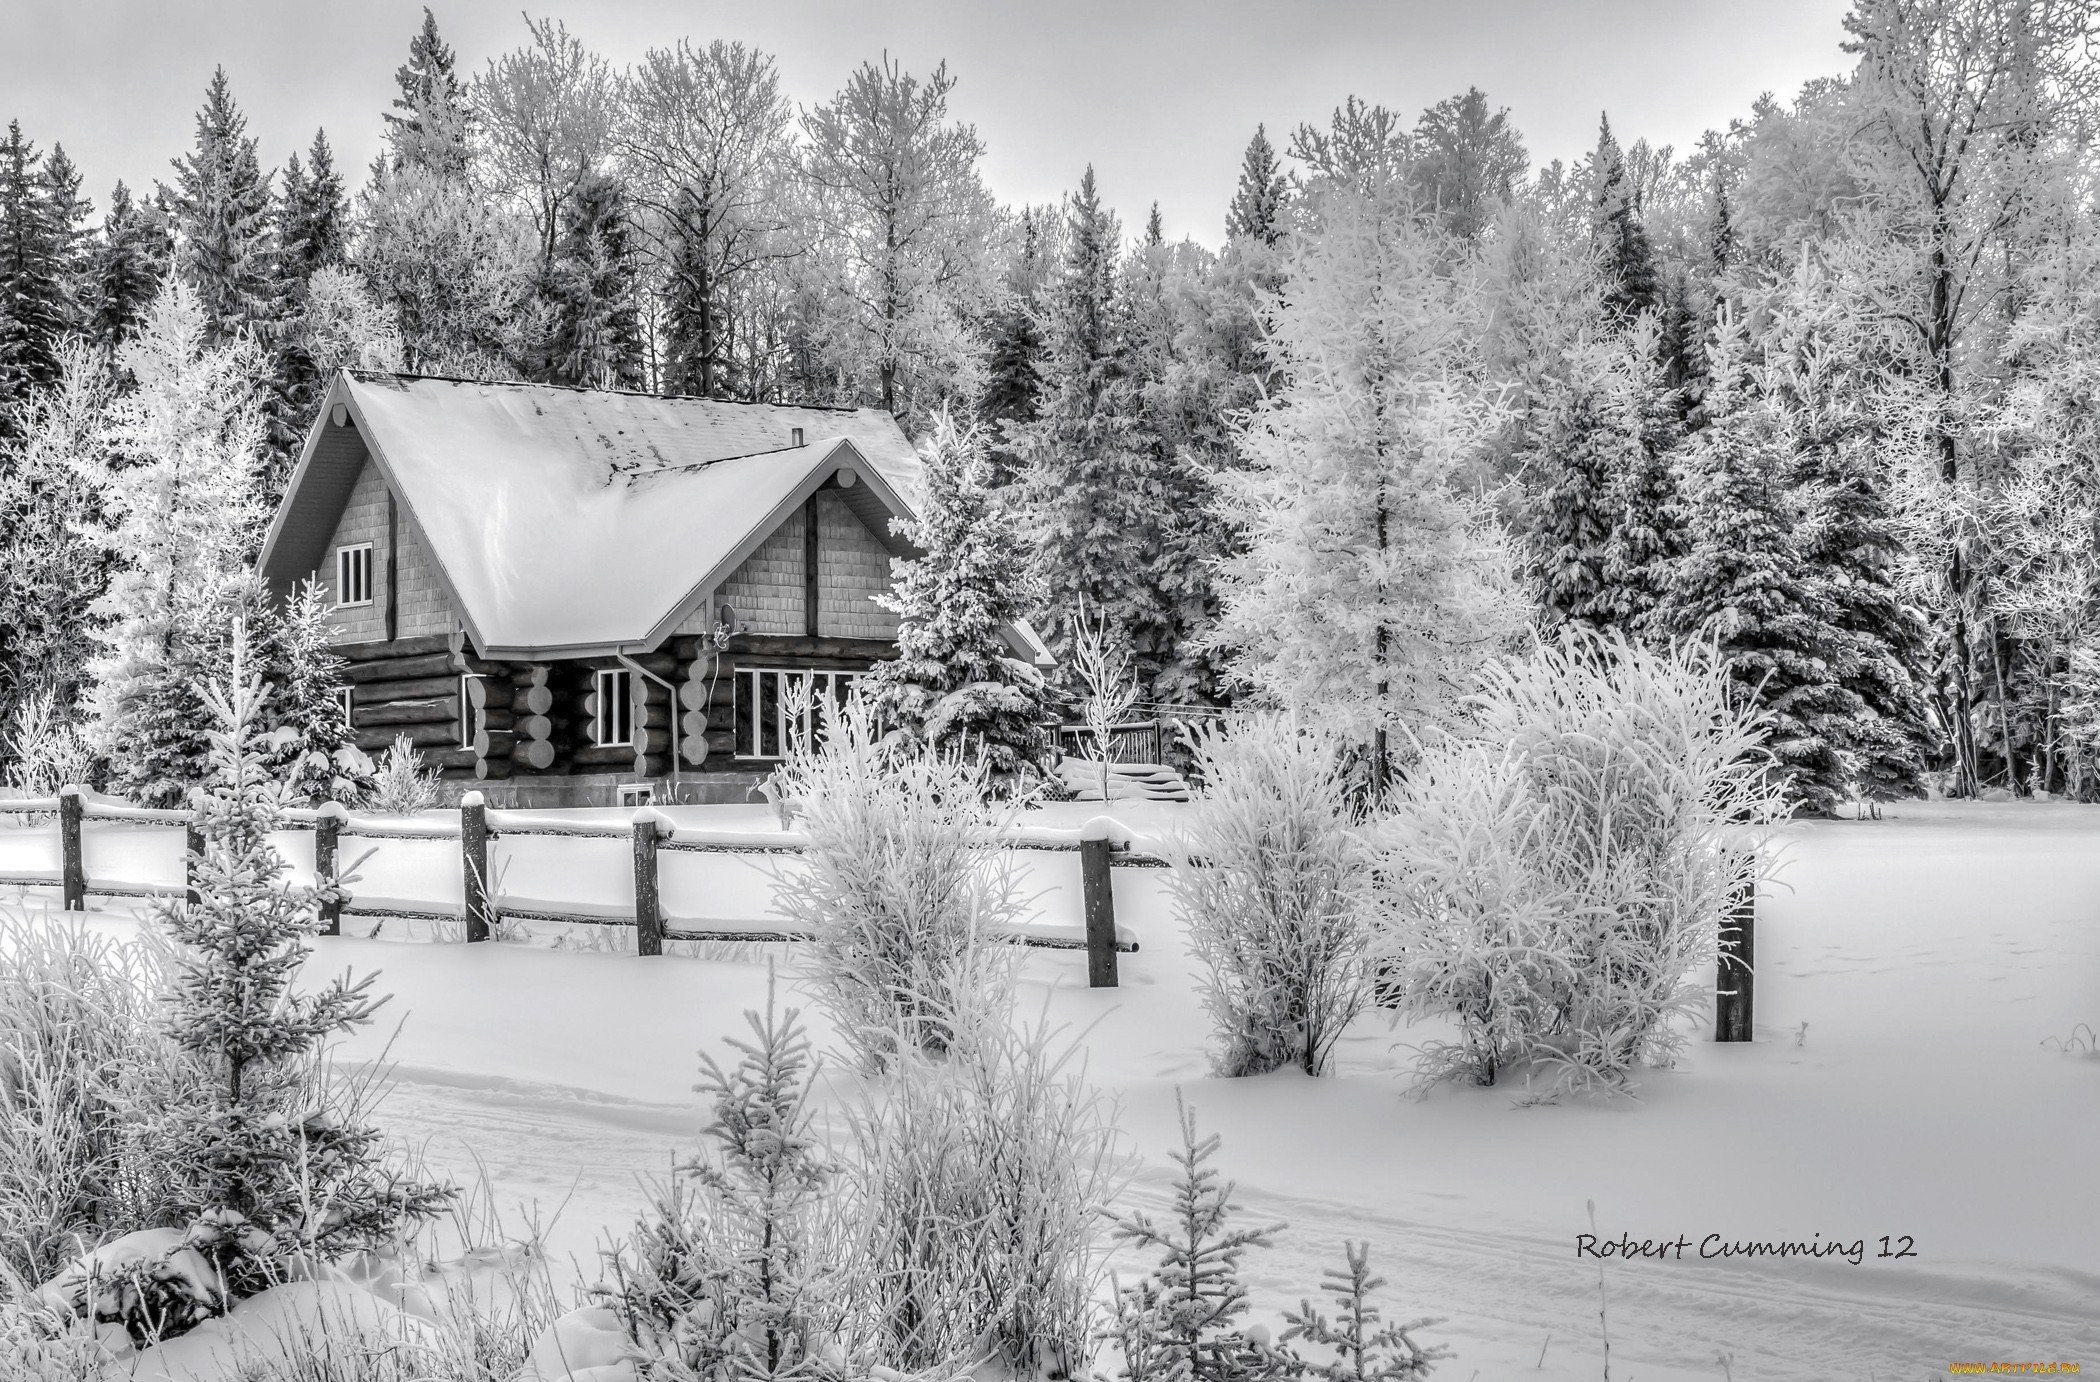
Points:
[466,711]
[780,729]
[346,565]
[612,712]
[346,701]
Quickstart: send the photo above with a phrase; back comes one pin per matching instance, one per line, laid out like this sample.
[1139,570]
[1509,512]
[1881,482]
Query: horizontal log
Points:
[492,769]
[494,743]
[787,645]
[721,743]
[597,755]
[414,689]
[489,692]
[452,760]
[378,740]
[401,668]
[496,717]
[435,710]
[652,765]
[536,754]
[400,647]
[652,741]
[532,700]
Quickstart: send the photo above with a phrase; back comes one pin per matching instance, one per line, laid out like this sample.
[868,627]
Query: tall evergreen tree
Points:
[1013,360]
[70,213]
[225,246]
[596,335]
[428,125]
[1626,257]
[129,263]
[34,255]
[1647,533]
[954,681]
[1467,162]
[313,213]
[1257,208]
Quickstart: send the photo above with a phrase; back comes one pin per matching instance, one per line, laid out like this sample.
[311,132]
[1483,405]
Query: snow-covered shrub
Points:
[1182,1321]
[86,1067]
[905,907]
[42,1346]
[45,749]
[1273,883]
[980,1178]
[403,786]
[1555,876]
[738,1269]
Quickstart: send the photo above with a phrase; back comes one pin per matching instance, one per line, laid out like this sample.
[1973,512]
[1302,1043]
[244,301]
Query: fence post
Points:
[328,831]
[648,905]
[1735,975]
[72,869]
[474,863]
[192,853]
[1098,888]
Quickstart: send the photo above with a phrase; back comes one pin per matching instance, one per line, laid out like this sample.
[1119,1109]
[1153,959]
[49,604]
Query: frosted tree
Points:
[1364,1347]
[1182,1321]
[1646,526]
[127,267]
[703,136]
[1626,257]
[595,330]
[33,251]
[545,116]
[955,683]
[307,741]
[1467,162]
[183,513]
[1257,209]
[225,245]
[1374,577]
[286,1177]
[1014,354]
[900,226]
[401,785]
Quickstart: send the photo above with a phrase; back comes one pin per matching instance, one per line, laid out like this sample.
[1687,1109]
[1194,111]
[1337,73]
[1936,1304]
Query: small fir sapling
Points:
[737,1274]
[291,1181]
[1272,879]
[1108,686]
[905,909]
[1181,1322]
[403,786]
[310,743]
[1364,1347]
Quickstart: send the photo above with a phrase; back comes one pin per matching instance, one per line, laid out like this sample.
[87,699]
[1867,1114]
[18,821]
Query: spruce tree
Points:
[224,239]
[427,127]
[1626,258]
[1089,483]
[287,1177]
[1182,1321]
[1014,356]
[313,213]
[1365,1348]
[309,745]
[129,264]
[954,681]
[1570,453]
[70,213]
[596,333]
[1745,586]
[35,247]
[1257,208]
[1646,534]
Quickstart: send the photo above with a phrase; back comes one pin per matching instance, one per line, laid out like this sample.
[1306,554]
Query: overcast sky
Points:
[1160,97]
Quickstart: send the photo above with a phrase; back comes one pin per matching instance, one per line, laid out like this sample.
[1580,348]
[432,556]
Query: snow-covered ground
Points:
[1917,986]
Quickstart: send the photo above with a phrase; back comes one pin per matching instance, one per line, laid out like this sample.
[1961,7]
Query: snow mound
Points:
[585,1345]
[274,1329]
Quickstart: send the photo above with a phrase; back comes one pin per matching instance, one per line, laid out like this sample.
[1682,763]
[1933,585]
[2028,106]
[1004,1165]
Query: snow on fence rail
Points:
[651,834]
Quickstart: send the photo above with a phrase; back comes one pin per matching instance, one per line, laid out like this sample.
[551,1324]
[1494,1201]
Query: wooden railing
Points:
[650,833]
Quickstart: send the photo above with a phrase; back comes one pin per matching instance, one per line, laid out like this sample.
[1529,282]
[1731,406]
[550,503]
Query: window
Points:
[777,707]
[353,575]
[637,794]
[612,717]
[466,710]
[344,699]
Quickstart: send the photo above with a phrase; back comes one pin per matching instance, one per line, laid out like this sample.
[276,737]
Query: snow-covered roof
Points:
[577,520]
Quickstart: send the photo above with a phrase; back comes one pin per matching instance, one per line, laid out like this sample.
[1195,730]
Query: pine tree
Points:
[1632,283]
[1570,454]
[596,335]
[224,239]
[288,1176]
[1089,483]
[129,264]
[1257,210]
[70,213]
[313,213]
[1014,357]
[1181,1322]
[1365,1348]
[733,1274]
[954,680]
[1646,534]
[1744,585]
[309,744]
[428,125]
[35,248]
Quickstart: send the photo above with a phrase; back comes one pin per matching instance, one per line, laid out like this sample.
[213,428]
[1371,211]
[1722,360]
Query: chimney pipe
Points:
[795,433]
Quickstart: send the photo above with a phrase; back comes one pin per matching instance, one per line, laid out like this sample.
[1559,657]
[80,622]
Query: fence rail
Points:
[650,832]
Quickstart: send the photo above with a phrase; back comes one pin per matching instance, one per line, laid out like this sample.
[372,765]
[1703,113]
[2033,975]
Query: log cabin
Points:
[582,597]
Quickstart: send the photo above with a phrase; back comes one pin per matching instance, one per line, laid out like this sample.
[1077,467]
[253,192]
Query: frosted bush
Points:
[403,786]
[1273,885]
[46,750]
[1555,875]
[906,910]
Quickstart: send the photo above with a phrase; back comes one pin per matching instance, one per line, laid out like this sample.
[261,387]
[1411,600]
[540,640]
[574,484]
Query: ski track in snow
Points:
[1523,1308]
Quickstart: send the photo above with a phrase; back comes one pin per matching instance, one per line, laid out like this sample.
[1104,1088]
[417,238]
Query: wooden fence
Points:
[651,834]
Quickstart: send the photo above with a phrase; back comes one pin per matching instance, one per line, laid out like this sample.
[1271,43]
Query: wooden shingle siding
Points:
[420,604]
[766,591]
[853,567]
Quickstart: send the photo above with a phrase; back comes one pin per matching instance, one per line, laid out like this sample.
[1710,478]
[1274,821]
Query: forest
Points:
[1820,391]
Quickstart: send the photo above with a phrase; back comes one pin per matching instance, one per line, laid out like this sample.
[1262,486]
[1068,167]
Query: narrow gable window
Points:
[466,709]
[353,575]
[344,698]
[612,723]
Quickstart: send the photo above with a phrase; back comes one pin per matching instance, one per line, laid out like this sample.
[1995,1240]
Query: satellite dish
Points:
[726,617]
